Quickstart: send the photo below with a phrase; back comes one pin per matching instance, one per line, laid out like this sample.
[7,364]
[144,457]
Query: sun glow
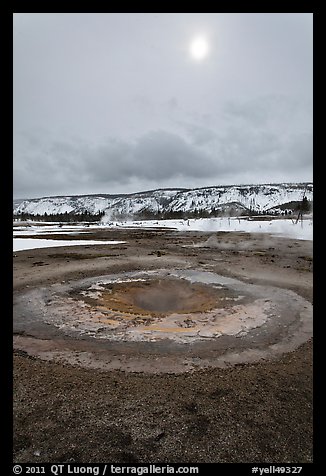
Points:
[199,48]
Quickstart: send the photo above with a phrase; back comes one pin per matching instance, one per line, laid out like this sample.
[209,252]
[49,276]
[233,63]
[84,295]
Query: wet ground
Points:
[246,412]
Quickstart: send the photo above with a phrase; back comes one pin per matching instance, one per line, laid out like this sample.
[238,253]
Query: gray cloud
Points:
[113,103]
[159,158]
[154,157]
[163,155]
[275,112]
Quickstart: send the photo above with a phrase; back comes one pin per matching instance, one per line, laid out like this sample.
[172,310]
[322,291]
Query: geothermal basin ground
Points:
[165,346]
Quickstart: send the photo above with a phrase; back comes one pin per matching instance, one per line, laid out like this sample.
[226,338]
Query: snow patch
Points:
[20,244]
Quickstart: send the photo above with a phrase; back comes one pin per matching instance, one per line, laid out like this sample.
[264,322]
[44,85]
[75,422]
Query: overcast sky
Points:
[117,103]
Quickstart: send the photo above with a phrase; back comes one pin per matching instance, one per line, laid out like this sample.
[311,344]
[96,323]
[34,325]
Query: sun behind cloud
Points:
[199,48]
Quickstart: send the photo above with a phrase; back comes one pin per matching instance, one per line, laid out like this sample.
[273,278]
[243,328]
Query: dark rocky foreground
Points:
[250,413]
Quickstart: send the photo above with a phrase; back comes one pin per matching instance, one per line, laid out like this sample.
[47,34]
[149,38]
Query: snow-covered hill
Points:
[239,198]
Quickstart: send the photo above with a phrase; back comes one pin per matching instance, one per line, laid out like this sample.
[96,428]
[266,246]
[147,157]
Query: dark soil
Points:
[247,413]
